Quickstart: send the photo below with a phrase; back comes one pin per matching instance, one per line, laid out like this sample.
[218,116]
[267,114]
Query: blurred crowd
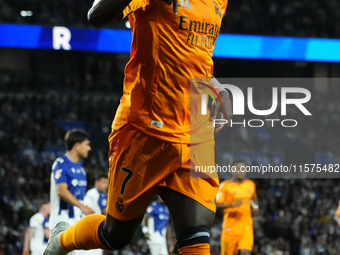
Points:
[300,18]
[296,215]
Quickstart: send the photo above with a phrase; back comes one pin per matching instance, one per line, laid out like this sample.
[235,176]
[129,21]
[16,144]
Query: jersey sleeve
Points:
[60,173]
[224,196]
[135,5]
[102,201]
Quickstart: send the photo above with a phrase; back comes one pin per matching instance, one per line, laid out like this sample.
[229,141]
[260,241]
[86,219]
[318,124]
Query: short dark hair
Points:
[75,136]
[100,176]
[239,160]
[43,202]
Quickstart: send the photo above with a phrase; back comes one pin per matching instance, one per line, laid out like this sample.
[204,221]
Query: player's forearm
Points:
[27,240]
[224,206]
[255,203]
[215,83]
[67,196]
[104,11]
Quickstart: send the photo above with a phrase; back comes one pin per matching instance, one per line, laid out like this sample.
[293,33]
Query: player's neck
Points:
[98,189]
[73,156]
[238,180]
[43,213]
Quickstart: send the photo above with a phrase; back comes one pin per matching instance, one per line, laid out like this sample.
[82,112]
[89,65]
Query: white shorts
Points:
[37,252]
[158,248]
[87,252]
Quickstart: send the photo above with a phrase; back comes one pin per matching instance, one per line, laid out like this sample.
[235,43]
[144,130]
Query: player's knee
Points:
[111,243]
[195,235]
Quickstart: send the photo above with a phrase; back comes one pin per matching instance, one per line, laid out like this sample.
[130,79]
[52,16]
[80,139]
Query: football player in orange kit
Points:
[237,197]
[151,143]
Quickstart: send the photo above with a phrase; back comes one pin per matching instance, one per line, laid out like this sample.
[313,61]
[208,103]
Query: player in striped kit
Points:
[38,232]
[96,199]
[69,182]
[156,228]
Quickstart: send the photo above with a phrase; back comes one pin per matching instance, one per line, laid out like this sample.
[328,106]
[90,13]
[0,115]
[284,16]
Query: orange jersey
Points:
[167,50]
[236,219]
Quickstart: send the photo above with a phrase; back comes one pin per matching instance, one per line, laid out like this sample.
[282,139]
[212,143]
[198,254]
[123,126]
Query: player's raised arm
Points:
[103,12]
[225,109]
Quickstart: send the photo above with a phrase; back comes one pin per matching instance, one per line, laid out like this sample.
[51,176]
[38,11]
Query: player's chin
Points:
[85,155]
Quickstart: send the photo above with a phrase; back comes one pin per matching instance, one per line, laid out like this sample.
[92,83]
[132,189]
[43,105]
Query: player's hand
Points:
[147,235]
[225,109]
[25,251]
[255,211]
[174,5]
[87,210]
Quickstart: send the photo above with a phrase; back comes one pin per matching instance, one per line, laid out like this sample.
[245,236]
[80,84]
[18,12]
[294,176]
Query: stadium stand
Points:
[299,18]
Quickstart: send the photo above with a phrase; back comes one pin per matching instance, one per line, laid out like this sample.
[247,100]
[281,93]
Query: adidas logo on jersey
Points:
[184,4]
[158,124]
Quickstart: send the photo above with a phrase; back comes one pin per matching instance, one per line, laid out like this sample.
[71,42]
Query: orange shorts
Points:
[140,164]
[231,244]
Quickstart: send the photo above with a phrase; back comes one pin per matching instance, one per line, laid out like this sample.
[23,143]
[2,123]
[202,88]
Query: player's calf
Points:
[194,241]
[115,234]
[110,243]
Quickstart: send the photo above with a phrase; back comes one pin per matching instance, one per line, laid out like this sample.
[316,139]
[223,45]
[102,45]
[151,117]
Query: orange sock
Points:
[83,235]
[196,249]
